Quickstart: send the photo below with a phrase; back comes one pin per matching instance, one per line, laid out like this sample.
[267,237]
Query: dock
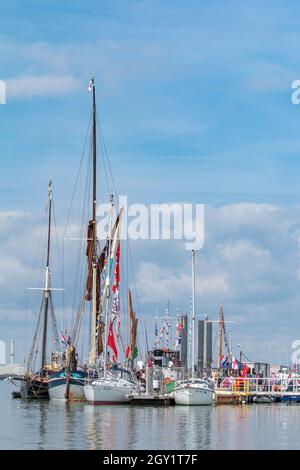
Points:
[151,400]
[241,390]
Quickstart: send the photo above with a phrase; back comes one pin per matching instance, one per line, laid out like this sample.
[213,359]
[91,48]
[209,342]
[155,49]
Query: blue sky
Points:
[195,105]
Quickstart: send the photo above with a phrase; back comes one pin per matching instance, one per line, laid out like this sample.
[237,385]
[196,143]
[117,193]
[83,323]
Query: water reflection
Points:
[193,427]
[57,425]
[127,427]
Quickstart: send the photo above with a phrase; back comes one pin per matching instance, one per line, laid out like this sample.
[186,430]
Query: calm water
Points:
[54,425]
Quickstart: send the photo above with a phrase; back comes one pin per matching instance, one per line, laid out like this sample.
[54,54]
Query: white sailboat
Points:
[106,385]
[111,389]
[193,391]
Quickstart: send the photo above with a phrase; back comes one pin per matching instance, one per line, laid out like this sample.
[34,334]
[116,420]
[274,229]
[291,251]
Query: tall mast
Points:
[220,338]
[47,280]
[193,314]
[94,167]
[109,258]
[94,252]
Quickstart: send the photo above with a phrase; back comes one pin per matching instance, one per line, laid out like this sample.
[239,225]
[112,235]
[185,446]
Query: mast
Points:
[94,246]
[193,314]
[220,337]
[109,256]
[47,280]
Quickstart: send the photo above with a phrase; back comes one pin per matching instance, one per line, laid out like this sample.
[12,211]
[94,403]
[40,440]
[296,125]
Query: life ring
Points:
[167,381]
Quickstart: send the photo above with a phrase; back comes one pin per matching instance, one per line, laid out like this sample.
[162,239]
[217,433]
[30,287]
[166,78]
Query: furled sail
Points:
[102,260]
[133,323]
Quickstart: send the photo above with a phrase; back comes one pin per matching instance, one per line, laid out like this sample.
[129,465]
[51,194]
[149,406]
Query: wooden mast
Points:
[94,246]
[47,281]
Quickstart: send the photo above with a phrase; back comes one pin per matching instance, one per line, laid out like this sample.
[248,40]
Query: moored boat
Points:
[193,392]
[64,385]
[34,384]
[113,389]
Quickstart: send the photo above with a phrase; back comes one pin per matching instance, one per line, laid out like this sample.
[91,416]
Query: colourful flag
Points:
[245,370]
[127,351]
[235,364]
[111,342]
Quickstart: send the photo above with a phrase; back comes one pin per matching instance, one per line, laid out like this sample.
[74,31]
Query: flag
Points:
[245,370]
[91,85]
[234,365]
[136,353]
[115,289]
[111,342]
[65,341]
[127,351]
[224,362]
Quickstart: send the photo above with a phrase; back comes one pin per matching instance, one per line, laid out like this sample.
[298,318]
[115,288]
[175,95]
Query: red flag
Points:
[245,370]
[111,342]
[117,269]
[127,351]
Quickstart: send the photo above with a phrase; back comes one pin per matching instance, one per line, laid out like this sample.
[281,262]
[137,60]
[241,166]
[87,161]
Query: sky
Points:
[195,105]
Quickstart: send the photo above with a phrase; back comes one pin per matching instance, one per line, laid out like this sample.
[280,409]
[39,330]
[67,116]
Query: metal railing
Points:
[260,385]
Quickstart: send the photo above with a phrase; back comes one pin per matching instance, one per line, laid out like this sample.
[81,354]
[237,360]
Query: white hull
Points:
[193,395]
[108,392]
[76,392]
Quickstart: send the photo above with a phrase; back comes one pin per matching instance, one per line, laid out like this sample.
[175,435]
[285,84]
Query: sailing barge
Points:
[35,382]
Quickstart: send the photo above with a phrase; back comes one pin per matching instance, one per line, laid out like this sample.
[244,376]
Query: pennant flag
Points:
[91,85]
[136,353]
[111,342]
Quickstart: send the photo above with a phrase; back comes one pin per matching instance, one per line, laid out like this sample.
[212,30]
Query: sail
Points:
[89,254]
[101,259]
[104,258]
[133,323]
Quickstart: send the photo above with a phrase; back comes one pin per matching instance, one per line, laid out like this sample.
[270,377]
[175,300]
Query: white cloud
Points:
[250,263]
[27,86]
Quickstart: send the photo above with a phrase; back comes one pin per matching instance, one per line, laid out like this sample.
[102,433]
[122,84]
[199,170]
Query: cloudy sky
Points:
[195,106]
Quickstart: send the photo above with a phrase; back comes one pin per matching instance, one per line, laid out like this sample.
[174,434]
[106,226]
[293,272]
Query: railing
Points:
[264,385]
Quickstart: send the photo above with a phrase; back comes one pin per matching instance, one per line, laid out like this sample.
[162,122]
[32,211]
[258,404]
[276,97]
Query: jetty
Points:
[151,400]
[235,390]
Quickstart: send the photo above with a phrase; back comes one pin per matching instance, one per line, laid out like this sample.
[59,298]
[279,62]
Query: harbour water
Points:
[55,425]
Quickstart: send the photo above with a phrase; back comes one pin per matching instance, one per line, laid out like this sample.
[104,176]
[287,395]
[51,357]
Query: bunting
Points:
[116,298]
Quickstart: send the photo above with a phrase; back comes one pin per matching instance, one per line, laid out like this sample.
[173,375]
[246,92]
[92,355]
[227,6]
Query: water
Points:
[55,425]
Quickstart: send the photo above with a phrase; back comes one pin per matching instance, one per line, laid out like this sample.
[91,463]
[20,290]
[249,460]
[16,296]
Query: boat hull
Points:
[106,393]
[67,388]
[263,399]
[193,396]
[34,389]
